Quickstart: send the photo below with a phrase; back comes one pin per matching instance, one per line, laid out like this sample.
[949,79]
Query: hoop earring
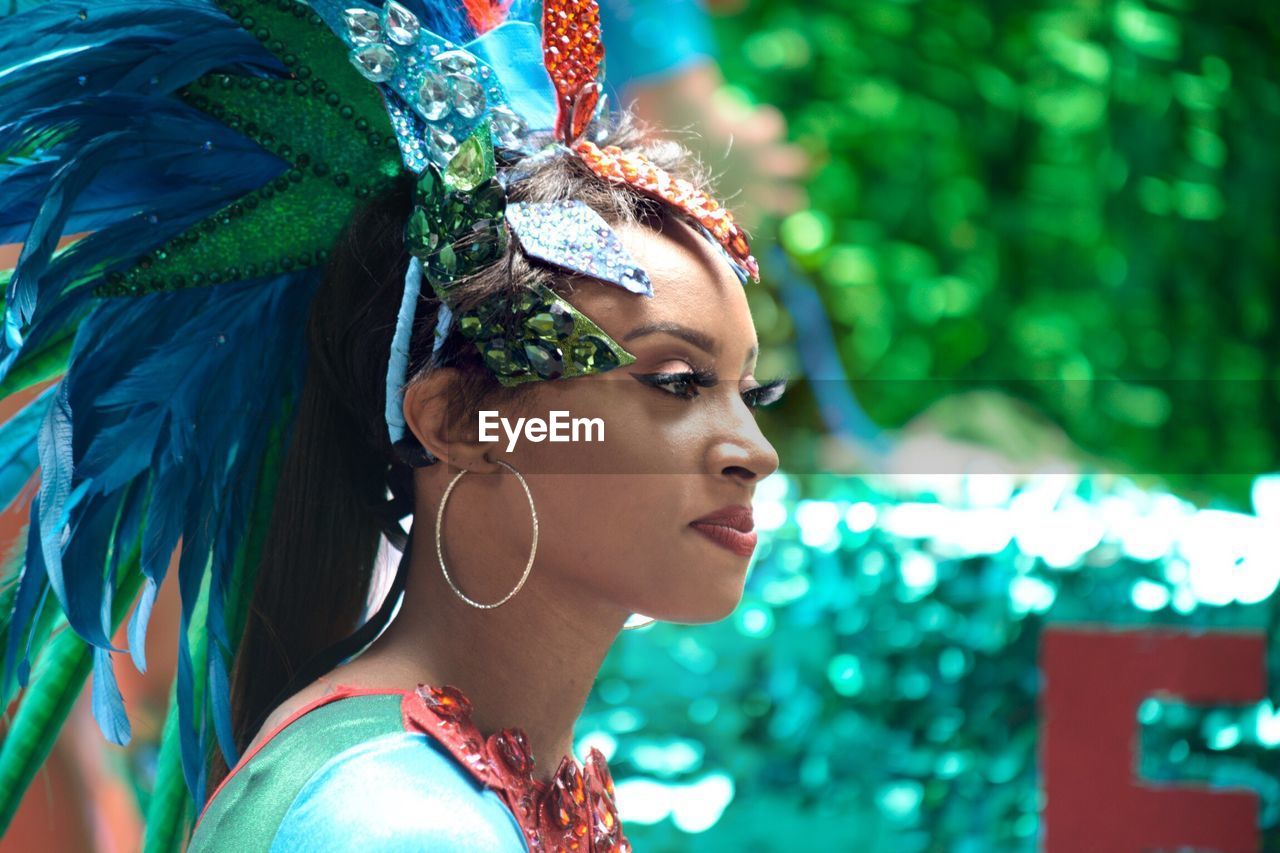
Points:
[440,538]
[646,624]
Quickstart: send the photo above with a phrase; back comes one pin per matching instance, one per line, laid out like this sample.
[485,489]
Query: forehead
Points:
[693,285]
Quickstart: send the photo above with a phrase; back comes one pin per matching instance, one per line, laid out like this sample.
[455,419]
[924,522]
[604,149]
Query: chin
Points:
[711,601]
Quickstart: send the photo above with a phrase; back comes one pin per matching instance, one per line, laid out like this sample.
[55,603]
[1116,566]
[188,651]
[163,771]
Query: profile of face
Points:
[654,518]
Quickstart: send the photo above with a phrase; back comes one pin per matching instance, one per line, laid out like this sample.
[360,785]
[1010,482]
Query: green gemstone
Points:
[473,163]
[552,323]
[417,232]
[527,302]
[542,324]
[593,354]
[500,357]
[546,359]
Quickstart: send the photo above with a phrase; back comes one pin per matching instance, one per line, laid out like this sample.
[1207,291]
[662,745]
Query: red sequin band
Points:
[633,169]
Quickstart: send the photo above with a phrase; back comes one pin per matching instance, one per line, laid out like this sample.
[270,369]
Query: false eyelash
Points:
[766,394]
[688,381]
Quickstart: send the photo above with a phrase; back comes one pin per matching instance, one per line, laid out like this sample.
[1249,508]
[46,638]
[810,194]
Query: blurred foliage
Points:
[877,690]
[1071,200]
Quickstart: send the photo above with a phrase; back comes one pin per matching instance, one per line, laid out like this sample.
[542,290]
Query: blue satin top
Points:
[347,776]
[399,792]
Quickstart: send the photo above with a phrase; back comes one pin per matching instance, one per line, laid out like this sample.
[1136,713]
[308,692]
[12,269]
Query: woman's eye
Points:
[764,395]
[682,384]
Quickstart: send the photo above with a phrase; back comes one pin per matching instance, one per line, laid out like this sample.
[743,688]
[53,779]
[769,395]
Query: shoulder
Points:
[400,791]
[250,803]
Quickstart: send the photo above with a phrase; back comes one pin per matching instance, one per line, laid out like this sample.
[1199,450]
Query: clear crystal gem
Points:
[443,141]
[456,62]
[508,127]
[402,25]
[468,96]
[376,62]
[433,97]
[363,26]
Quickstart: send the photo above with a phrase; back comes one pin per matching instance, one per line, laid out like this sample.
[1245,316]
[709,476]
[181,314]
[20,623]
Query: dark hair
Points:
[342,487]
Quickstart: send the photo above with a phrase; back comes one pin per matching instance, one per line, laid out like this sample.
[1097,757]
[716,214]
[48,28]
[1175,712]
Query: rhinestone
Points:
[553,323]
[512,747]
[498,359]
[471,166]
[456,62]
[447,701]
[567,794]
[402,25]
[433,98]
[508,127]
[443,142]
[470,326]
[363,26]
[375,61]
[592,352]
[467,95]
[546,359]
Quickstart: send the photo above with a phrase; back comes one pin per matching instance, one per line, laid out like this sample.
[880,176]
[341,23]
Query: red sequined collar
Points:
[575,812]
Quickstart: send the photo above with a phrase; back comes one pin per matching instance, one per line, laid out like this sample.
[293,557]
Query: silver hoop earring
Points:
[440,538]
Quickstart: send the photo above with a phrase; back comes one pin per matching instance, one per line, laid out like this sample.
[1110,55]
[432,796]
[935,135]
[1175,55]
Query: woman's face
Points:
[655,518]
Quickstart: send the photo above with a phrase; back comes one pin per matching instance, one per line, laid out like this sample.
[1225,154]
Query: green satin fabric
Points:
[245,815]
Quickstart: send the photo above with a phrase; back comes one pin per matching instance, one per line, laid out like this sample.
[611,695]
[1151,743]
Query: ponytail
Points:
[331,507]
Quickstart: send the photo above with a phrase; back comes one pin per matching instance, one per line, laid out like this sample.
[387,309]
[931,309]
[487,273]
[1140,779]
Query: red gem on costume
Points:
[567,798]
[604,812]
[447,702]
[511,746]
[636,170]
[572,52]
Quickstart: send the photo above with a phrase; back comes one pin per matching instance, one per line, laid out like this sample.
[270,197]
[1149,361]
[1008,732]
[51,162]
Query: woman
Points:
[580,270]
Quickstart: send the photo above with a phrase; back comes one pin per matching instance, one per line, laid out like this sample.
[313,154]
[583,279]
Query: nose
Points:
[741,452]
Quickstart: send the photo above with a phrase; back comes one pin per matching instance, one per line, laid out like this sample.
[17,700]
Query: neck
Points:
[528,663]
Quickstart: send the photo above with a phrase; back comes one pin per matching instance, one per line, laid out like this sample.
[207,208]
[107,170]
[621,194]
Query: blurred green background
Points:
[1073,201]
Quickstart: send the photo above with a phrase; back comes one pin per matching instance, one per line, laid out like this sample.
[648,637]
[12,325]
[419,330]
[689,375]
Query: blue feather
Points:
[67,183]
[108,704]
[82,577]
[138,625]
[33,584]
[178,176]
[55,480]
[114,39]
[219,687]
[19,451]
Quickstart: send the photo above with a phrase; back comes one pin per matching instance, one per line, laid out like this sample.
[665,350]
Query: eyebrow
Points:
[684,333]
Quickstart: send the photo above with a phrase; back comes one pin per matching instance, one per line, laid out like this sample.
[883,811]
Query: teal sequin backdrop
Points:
[878,688]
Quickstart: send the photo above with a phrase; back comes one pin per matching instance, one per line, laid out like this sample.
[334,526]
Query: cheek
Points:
[644,432]
[610,531]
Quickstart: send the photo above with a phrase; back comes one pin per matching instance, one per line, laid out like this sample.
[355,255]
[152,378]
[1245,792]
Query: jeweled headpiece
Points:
[450,105]
[213,151]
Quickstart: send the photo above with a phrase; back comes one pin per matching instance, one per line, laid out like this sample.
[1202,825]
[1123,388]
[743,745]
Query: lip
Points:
[732,528]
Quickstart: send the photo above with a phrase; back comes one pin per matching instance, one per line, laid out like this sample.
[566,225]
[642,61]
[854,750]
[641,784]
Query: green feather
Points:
[59,676]
[169,809]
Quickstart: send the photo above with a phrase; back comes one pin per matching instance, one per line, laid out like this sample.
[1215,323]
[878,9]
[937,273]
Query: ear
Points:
[427,403]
